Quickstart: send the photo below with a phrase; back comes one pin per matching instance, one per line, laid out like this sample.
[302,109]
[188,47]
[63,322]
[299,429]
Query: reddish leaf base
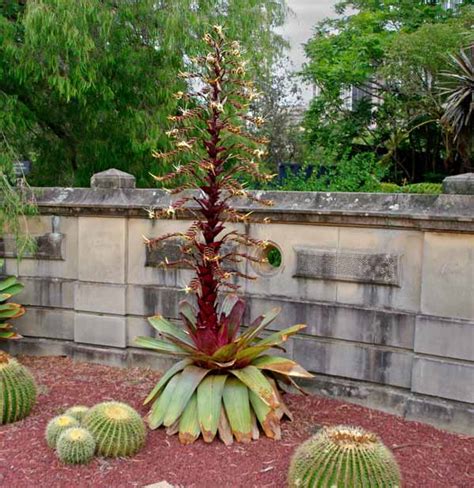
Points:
[428,457]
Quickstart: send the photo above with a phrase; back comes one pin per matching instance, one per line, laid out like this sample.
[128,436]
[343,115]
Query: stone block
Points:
[113,178]
[138,326]
[453,380]
[47,292]
[100,298]
[445,337]
[46,322]
[39,347]
[347,265]
[382,327]
[448,275]
[406,244]
[145,358]
[102,249]
[103,330]
[110,356]
[459,184]
[354,361]
[152,300]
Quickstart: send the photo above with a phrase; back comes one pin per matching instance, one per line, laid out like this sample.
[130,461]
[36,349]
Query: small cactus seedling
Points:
[17,390]
[117,429]
[75,446]
[57,426]
[77,411]
[342,456]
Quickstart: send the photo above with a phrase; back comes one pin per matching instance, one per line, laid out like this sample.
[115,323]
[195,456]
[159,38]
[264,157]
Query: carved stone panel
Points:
[346,265]
[47,247]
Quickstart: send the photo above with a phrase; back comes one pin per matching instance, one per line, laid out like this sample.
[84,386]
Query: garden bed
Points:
[427,456]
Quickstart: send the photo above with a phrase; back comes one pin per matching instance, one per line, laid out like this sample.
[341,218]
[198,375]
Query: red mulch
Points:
[428,457]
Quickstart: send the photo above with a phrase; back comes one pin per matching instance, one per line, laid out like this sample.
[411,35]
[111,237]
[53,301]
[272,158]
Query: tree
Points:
[224,382]
[392,52]
[87,84]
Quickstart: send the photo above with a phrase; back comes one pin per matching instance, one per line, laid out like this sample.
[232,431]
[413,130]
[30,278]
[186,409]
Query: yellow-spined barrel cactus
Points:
[17,390]
[342,457]
[77,411]
[75,446]
[117,429]
[57,426]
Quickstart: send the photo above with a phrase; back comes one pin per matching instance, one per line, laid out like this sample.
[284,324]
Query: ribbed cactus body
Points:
[117,429]
[77,411]
[342,456]
[57,426]
[75,446]
[17,390]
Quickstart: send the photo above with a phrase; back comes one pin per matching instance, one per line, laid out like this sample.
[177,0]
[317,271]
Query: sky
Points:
[299,28]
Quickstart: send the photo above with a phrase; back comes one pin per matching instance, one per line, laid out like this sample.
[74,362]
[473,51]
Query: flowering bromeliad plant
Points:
[225,382]
[9,310]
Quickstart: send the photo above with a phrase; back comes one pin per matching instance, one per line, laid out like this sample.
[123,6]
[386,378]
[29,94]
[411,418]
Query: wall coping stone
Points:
[423,212]
[459,184]
[113,178]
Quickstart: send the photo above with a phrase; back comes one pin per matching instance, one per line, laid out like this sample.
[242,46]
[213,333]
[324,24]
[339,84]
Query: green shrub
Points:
[343,457]
[57,426]
[389,188]
[77,411]
[428,188]
[75,446]
[117,429]
[17,390]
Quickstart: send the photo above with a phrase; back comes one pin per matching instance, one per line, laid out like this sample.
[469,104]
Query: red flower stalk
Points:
[211,131]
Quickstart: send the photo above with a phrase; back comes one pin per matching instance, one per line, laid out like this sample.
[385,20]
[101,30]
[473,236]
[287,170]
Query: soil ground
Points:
[428,457]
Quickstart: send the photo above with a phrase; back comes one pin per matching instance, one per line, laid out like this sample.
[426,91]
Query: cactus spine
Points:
[117,429]
[17,390]
[77,411]
[343,456]
[57,426]
[75,446]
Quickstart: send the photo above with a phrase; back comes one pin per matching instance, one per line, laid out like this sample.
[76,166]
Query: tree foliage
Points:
[393,52]
[87,85]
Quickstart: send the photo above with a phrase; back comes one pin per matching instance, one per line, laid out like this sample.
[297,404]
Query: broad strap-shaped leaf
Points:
[260,323]
[8,282]
[281,365]
[209,401]
[188,382]
[176,368]
[281,336]
[188,314]
[255,429]
[11,311]
[225,432]
[266,416]
[237,407]
[159,408]
[160,345]
[12,290]
[188,423]
[167,328]
[248,354]
[225,353]
[231,320]
[282,409]
[256,382]
[9,334]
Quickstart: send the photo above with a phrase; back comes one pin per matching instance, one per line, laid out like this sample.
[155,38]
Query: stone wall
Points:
[384,282]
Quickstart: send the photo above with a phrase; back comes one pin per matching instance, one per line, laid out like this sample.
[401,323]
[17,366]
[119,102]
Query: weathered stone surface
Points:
[445,337]
[48,247]
[337,321]
[102,251]
[459,184]
[354,360]
[151,300]
[110,356]
[138,326]
[103,330]
[48,292]
[347,265]
[453,380]
[448,275]
[113,178]
[46,322]
[100,298]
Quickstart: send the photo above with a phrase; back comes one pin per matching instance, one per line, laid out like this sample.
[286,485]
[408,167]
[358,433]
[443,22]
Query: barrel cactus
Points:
[17,390]
[77,411]
[117,429]
[57,426]
[75,446]
[343,456]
